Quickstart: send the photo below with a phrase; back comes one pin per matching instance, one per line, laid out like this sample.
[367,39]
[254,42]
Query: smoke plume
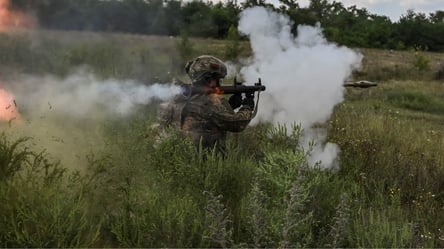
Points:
[303,75]
[83,95]
[65,116]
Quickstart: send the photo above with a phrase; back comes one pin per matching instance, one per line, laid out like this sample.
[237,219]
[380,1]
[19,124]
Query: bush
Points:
[421,62]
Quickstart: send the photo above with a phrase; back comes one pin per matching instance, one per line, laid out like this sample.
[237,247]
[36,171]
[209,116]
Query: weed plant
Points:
[147,188]
[393,152]
[41,206]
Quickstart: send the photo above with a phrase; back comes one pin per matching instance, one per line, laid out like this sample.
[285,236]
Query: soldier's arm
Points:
[226,119]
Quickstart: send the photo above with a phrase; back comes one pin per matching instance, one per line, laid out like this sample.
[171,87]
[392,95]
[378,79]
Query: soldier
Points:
[206,118]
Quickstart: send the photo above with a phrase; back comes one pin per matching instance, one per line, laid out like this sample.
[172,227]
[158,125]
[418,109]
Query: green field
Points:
[105,181]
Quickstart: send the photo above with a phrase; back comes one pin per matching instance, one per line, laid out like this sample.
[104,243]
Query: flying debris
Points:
[360,84]
[8,106]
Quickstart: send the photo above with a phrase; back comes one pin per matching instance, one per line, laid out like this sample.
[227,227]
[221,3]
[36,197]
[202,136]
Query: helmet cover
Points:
[205,66]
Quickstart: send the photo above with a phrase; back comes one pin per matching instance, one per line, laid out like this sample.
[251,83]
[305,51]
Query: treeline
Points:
[350,26]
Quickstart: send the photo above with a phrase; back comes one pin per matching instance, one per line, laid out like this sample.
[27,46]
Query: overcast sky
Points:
[392,8]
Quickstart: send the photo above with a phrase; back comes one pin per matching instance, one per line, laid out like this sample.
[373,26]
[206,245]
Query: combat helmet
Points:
[204,67]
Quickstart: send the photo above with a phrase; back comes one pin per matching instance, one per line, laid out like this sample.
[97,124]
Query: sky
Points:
[391,8]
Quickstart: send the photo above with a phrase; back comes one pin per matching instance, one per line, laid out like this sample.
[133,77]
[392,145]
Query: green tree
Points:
[437,17]
[173,17]
[253,3]
[351,26]
[198,19]
[224,17]
[414,30]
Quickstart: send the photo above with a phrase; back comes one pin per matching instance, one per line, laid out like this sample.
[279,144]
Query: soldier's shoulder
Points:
[200,98]
[179,98]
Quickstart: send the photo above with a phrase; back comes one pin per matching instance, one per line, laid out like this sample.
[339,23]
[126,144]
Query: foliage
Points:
[395,174]
[12,158]
[233,48]
[146,192]
[349,26]
[416,101]
[421,63]
[105,56]
[185,48]
[153,189]
[41,206]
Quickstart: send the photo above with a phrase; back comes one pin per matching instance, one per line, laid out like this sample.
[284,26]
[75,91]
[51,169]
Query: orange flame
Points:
[217,90]
[8,108]
[13,20]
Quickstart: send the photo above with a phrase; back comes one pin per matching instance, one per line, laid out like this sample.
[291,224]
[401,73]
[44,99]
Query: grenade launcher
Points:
[360,84]
[237,87]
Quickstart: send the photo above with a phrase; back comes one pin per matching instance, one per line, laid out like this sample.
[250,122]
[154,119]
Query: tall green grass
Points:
[145,192]
[41,206]
[417,101]
[394,153]
[146,188]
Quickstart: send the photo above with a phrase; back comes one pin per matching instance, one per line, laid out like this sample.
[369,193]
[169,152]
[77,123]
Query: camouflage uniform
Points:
[205,119]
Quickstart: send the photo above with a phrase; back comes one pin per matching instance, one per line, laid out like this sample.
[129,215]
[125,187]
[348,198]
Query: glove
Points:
[249,100]
[235,100]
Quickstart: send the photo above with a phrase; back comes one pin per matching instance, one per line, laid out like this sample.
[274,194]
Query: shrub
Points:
[421,62]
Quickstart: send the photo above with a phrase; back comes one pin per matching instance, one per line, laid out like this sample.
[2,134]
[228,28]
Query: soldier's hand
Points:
[249,100]
[235,100]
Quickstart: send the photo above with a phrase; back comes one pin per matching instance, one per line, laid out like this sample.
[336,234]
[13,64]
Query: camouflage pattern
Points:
[205,65]
[205,119]
[170,113]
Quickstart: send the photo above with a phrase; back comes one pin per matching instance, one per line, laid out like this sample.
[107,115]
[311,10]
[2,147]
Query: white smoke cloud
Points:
[303,75]
[65,116]
[82,94]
